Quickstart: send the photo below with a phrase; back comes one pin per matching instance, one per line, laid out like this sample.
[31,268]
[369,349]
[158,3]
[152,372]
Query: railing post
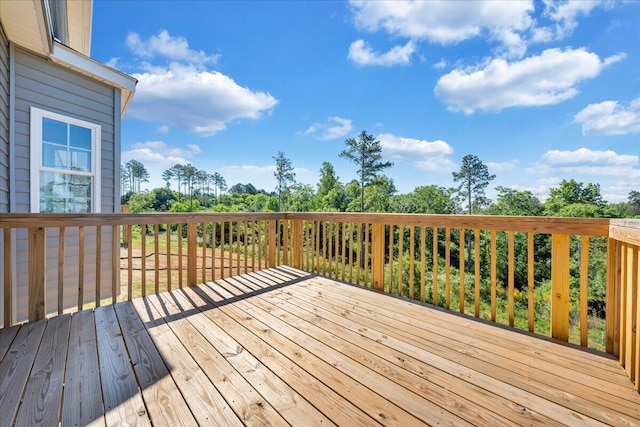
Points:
[612,318]
[377,257]
[37,273]
[630,309]
[8,281]
[560,286]
[271,259]
[296,259]
[192,246]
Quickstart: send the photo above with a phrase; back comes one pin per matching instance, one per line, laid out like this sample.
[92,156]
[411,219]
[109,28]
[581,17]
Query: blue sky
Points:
[539,91]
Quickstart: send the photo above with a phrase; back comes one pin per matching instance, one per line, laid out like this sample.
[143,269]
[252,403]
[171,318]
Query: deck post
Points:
[37,273]
[377,257]
[560,286]
[296,259]
[192,246]
[8,281]
[271,259]
[612,318]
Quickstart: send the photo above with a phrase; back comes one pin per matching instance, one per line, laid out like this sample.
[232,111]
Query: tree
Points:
[575,199]
[513,202]
[331,192]
[430,199]
[474,178]
[125,185]
[284,174]
[219,184]
[365,152]
[302,198]
[175,172]
[634,203]
[190,176]
[137,174]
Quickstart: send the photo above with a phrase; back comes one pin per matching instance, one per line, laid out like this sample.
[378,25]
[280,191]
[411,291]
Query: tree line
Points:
[191,189]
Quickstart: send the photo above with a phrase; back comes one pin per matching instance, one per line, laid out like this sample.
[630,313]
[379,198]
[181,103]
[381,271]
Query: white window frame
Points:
[36,157]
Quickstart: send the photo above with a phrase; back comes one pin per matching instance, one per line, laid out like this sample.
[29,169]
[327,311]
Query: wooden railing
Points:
[532,273]
[137,254]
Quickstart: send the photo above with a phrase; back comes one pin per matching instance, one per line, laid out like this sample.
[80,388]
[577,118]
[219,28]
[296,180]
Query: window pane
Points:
[54,131]
[80,160]
[80,137]
[54,156]
[63,193]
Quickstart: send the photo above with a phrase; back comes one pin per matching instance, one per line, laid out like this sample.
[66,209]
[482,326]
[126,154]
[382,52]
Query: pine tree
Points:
[365,152]
[284,175]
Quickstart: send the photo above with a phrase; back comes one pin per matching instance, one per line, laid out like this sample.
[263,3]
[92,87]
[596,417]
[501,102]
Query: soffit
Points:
[25,24]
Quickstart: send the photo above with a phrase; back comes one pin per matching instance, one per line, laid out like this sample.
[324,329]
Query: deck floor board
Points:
[284,347]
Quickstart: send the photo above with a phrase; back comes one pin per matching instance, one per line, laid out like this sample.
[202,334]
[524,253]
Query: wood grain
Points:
[82,398]
[163,400]
[15,368]
[41,401]
[123,402]
[560,286]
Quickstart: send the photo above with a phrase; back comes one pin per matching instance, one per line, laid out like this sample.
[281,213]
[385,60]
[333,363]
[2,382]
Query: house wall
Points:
[43,84]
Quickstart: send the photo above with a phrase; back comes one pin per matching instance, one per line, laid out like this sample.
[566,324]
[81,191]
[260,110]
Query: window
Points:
[65,167]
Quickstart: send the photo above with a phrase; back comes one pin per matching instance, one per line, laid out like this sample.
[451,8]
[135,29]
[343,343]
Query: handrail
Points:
[13,220]
[575,226]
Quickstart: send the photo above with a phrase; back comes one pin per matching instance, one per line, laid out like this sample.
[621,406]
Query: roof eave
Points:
[87,66]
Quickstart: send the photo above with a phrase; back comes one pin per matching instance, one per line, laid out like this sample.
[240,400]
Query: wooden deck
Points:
[283,347]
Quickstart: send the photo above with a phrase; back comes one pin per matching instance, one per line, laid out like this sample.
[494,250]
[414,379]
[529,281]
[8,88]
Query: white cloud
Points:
[362,54]
[172,48]
[588,163]
[197,100]
[159,152]
[512,24]
[431,156]
[545,79]
[113,62]
[619,191]
[610,118]
[335,127]
[442,22]
[496,167]
[585,156]
[440,65]
[565,14]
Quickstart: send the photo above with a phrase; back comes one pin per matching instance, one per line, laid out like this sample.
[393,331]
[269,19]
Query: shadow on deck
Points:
[285,347]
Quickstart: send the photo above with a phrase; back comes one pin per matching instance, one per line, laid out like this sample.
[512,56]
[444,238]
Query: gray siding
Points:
[4,122]
[42,84]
